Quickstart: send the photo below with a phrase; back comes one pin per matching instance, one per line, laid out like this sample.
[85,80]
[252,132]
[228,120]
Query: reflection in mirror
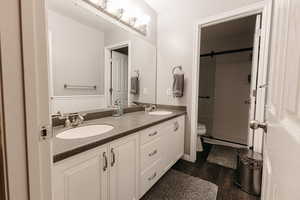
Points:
[95,63]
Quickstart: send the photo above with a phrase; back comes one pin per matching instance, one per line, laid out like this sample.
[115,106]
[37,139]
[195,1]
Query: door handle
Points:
[105,162]
[254,125]
[113,157]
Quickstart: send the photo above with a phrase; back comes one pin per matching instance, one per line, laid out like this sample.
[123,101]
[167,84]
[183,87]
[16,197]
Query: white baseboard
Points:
[187,157]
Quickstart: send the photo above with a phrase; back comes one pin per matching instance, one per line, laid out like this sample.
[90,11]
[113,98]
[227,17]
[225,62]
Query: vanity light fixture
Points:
[122,12]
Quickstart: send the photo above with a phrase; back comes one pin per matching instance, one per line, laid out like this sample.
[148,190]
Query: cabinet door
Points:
[82,177]
[172,142]
[124,168]
[178,134]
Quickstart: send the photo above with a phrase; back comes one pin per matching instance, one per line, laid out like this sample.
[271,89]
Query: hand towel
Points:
[135,85]
[178,84]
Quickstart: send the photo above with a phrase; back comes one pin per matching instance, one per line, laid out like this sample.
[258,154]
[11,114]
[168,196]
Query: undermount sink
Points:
[84,132]
[160,112]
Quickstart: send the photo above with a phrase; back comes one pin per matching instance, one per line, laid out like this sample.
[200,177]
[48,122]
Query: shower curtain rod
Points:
[212,54]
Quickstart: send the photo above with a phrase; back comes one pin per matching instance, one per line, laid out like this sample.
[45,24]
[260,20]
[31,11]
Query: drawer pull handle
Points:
[153,134]
[113,157]
[105,162]
[152,153]
[152,177]
[176,126]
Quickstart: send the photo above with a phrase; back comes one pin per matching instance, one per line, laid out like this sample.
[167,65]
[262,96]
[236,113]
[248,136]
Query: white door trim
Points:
[107,72]
[35,58]
[265,8]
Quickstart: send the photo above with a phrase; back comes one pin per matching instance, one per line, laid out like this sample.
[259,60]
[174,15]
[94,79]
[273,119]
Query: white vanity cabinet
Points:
[124,169]
[106,172]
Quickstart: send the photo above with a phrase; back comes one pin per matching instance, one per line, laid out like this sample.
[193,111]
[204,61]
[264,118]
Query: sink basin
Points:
[160,112]
[84,132]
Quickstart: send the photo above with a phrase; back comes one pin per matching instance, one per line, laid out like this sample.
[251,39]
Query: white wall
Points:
[143,59]
[175,31]
[77,52]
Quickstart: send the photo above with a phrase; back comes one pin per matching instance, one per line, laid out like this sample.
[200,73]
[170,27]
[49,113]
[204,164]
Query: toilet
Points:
[201,130]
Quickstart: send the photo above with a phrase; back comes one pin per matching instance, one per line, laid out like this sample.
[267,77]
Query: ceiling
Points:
[158,5]
[70,9]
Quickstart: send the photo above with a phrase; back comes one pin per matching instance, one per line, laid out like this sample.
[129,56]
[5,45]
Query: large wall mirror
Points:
[94,62]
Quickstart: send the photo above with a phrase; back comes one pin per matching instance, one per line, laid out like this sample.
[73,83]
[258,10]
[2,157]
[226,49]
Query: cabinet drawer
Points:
[150,153]
[150,134]
[149,177]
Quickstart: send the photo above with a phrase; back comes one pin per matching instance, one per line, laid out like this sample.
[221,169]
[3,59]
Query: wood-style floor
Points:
[221,176]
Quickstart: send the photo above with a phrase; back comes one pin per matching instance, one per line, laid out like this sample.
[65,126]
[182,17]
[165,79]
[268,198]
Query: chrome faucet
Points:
[150,108]
[119,108]
[71,120]
[77,119]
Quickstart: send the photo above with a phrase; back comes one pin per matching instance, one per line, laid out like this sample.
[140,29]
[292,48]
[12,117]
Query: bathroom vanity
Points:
[122,164]
[98,64]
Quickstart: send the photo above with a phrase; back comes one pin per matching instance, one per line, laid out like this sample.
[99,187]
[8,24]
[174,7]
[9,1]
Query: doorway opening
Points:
[119,73]
[227,82]
[260,49]
[117,58]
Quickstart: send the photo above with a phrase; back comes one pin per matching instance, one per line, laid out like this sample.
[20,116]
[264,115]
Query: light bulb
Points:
[131,15]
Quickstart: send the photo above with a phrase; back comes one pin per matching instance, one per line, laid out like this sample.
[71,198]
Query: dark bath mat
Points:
[224,156]
[175,185]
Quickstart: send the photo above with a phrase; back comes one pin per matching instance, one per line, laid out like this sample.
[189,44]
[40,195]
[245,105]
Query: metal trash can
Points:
[249,171]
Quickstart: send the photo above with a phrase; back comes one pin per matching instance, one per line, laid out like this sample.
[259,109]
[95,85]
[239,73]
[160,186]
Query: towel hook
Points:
[176,67]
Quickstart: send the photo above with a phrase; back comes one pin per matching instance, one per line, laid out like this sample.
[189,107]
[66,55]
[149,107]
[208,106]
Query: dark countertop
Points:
[125,125]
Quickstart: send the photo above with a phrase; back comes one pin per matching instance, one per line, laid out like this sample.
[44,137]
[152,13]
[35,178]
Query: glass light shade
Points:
[96,2]
[143,20]
[131,12]
[143,28]
[101,3]
[113,6]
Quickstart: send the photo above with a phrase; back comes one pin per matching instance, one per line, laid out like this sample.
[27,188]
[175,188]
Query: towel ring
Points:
[177,67]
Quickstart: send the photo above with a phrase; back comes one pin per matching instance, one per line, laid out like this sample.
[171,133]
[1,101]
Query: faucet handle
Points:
[67,122]
[117,102]
[58,115]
